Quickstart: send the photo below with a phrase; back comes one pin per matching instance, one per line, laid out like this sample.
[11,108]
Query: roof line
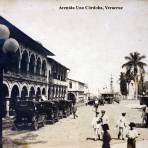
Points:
[57,62]
[76,81]
[18,34]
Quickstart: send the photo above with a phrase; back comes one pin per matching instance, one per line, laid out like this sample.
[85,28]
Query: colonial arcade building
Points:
[32,73]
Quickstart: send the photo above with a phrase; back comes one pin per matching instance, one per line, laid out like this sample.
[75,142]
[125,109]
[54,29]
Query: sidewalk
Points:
[139,144]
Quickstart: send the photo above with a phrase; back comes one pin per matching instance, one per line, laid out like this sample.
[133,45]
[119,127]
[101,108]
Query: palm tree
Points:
[134,67]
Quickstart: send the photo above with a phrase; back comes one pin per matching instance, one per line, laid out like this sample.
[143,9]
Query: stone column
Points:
[19,66]
[7,107]
[27,66]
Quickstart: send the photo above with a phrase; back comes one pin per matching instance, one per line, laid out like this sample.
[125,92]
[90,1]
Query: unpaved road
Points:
[72,133]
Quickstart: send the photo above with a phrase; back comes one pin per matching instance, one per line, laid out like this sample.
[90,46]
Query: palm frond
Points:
[128,64]
[132,55]
[141,57]
[141,64]
[128,58]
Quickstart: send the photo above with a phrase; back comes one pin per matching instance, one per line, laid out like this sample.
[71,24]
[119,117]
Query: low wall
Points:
[130,102]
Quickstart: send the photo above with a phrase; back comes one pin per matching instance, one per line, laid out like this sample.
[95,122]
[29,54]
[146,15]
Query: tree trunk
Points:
[136,87]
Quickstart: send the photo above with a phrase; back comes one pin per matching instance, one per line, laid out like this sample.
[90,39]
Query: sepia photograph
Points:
[73,74]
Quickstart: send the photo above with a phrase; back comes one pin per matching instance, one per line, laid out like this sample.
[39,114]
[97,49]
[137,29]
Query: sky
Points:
[92,43]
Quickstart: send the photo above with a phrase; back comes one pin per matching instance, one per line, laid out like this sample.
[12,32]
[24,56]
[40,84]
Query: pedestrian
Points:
[104,118]
[96,104]
[96,124]
[132,134]
[106,136]
[74,111]
[144,116]
[122,124]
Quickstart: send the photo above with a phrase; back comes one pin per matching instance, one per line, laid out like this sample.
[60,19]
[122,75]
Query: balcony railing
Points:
[26,76]
[58,82]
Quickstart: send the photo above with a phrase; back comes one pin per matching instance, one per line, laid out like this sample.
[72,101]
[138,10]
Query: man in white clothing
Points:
[122,124]
[104,118]
[96,124]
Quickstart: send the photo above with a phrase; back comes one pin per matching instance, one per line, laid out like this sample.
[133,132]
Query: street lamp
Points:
[8,46]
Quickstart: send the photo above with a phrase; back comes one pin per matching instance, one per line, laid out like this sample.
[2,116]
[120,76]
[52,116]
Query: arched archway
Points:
[44,68]
[54,70]
[14,95]
[5,90]
[72,97]
[24,62]
[32,92]
[24,92]
[38,66]
[49,75]
[49,93]
[57,92]
[38,93]
[53,91]
[32,64]
[44,91]
[5,96]
[14,64]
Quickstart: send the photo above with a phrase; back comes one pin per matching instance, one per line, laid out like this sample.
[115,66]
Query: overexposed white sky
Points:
[92,43]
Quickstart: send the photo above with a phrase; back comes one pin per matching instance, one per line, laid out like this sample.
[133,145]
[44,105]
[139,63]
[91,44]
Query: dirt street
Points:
[73,133]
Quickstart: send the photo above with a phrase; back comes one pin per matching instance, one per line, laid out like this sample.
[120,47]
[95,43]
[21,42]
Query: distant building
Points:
[77,91]
[32,73]
[57,88]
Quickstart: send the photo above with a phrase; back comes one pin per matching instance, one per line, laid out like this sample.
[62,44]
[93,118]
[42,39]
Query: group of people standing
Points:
[97,123]
[100,124]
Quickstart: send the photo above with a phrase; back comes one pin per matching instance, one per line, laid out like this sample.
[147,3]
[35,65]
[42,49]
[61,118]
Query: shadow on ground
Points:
[30,138]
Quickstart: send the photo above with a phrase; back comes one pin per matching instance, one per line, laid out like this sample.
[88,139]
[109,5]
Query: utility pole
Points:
[111,85]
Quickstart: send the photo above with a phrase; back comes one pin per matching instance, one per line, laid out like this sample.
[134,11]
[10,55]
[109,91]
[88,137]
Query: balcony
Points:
[59,82]
[26,76]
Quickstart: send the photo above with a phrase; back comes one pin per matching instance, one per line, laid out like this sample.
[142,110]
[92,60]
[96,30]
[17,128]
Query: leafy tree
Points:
[134,67]
[123,84]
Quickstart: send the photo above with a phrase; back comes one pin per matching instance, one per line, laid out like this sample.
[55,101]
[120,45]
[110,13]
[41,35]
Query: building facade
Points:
[31,73]
[77,91]
[57,80]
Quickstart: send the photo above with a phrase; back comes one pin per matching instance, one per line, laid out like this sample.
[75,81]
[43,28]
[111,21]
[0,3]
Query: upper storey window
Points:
[44,68]
[38,67]
[70,84]
[32,64]
[24,62]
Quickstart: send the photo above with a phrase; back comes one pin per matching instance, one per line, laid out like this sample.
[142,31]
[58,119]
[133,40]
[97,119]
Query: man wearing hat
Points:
[121,124]
[104,120]
[96,124]
[104,117]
